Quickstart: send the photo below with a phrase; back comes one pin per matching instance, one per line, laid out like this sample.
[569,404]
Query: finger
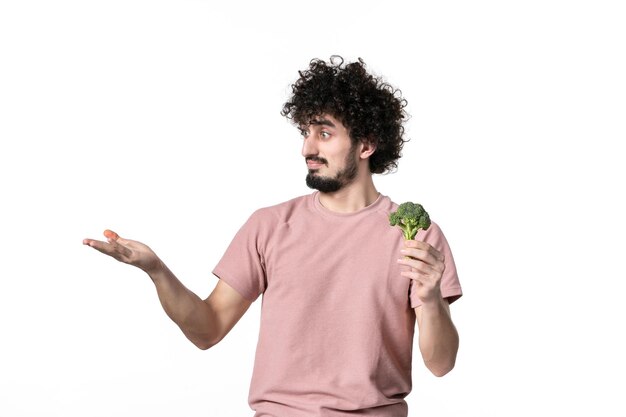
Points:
[419,278]
[91,242]
[111,248]
[418,244]
[110,234]
[100,246]
[114,237]
[436,267]
[412,275]
[436,254]
[118,246]
[417,265]
[420,254]
[412,243]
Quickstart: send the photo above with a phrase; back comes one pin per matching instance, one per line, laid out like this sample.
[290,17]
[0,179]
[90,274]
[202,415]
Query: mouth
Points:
[314,163]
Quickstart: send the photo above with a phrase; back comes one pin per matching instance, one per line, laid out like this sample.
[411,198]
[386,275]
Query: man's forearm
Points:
[194,317]
[438,338]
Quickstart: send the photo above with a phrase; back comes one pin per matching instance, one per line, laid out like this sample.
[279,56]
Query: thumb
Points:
[112,236]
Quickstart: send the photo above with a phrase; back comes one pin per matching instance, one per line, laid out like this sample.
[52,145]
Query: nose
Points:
[309,147]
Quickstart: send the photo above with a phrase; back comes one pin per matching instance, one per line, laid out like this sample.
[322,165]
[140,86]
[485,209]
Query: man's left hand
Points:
[427,266]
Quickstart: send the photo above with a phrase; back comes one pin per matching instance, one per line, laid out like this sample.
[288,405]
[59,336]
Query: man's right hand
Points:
[204,322]
[127,251]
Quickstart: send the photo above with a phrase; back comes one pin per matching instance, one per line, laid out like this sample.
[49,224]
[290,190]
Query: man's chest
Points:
[315,264]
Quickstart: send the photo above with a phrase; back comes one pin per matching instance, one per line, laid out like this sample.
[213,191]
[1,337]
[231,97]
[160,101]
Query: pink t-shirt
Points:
[337,318]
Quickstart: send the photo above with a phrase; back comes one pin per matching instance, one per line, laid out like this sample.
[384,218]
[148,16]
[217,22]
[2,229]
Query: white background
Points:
[160,120]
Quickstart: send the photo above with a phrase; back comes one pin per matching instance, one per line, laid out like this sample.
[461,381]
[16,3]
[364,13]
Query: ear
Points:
[366,149]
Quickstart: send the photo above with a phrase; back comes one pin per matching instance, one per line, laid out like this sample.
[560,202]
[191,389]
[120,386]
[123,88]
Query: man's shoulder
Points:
[284,210]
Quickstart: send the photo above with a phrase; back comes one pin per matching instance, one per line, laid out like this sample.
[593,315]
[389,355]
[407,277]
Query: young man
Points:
[342,289]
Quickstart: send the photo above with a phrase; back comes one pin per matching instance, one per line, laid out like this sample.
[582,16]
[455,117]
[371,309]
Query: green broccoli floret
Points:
[410,217]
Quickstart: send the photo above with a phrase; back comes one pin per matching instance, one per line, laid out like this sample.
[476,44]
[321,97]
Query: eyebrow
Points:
[324,122]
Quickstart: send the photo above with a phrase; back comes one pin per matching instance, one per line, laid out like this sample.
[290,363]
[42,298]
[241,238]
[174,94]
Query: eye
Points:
[325,135]
[304,133]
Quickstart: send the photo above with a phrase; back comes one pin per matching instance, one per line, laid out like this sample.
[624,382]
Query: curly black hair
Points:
[371,110]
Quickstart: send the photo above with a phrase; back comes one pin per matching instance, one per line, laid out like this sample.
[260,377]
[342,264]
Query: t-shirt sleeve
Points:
[450,285]
[242,266]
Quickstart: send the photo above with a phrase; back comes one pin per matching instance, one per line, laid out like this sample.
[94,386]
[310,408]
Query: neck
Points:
[353,197]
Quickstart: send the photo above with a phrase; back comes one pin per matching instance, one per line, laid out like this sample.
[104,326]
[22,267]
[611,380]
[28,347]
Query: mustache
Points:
[316,159]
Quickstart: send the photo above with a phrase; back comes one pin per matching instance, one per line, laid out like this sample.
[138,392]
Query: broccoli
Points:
[410,217]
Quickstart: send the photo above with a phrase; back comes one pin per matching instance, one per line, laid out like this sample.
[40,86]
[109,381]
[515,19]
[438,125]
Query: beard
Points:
[331,184]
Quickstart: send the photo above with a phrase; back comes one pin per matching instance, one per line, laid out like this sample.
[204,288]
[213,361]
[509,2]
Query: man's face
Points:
[329,154]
